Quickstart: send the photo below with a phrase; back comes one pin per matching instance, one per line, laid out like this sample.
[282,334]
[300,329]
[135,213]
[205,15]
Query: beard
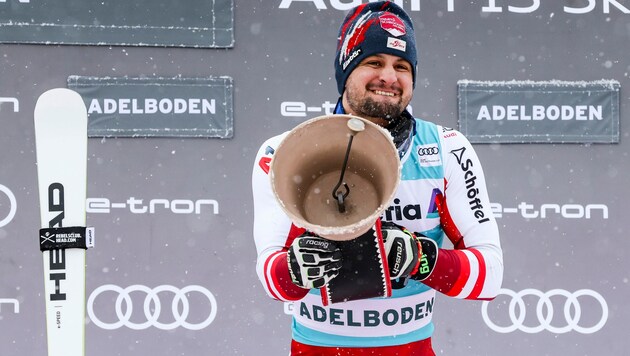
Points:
[366,106]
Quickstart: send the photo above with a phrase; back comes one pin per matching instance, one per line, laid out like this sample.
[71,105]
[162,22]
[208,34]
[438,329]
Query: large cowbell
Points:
[307,167]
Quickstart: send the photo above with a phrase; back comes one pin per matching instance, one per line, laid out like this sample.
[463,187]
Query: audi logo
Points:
[428,151]
[572,311]
[152,299]
[12,205]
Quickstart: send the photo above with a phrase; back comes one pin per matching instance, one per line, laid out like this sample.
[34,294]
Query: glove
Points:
[403,250]
[428,258]
[408,254]
[313,261]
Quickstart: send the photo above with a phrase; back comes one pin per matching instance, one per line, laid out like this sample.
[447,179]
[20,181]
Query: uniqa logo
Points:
[12,205]
[152,299]
[517,310]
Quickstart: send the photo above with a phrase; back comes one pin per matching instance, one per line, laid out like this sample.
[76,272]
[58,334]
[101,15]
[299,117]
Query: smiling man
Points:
[442,193]
[379,88]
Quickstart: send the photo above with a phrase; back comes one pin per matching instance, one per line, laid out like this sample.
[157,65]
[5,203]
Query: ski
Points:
[60,120]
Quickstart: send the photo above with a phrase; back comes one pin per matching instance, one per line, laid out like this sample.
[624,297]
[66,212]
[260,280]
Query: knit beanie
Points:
[368,29]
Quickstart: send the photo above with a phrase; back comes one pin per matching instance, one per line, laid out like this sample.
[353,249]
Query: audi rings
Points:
[152,300]
[545,311]
[427,151]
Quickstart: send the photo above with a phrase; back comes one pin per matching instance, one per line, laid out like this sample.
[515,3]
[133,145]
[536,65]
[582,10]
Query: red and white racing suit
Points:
[442,193]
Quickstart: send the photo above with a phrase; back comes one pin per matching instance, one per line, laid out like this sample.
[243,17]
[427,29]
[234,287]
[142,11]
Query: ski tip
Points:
[61,100]
[59,93]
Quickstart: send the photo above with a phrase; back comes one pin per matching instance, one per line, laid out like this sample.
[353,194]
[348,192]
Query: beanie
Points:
[368,29]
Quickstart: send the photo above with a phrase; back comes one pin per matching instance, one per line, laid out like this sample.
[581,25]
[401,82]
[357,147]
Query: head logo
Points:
[57,257]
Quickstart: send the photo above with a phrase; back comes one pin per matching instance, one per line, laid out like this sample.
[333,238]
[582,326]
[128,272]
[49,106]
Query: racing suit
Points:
[442,193]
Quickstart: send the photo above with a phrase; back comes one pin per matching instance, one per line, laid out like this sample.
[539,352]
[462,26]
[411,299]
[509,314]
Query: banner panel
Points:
[196,23]
[157,107]
[539,112]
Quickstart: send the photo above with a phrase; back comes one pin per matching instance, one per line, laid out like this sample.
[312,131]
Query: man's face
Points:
[379,88]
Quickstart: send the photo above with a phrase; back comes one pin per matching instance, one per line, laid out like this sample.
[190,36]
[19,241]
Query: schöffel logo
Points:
[539,112]
[470,179]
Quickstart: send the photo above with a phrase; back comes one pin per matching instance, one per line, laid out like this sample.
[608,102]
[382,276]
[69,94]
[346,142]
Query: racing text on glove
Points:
[313,261]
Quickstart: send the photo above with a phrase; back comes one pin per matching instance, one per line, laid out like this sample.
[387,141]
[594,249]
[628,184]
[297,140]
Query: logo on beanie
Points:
[396,43]
[392,24]
[354,55]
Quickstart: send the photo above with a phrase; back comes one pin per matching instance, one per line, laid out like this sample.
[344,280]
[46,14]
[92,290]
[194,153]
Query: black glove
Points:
[403,250]
[428,259]
[408,254]
[313,261]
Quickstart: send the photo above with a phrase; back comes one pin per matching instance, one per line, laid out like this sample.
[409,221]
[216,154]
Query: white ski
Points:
[61,142]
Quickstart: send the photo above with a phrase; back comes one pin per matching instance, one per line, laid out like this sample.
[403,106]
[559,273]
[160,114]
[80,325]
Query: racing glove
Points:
[313,261]
[408,254]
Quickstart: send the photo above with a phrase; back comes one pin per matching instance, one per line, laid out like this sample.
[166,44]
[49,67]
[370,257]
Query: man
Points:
[442,193]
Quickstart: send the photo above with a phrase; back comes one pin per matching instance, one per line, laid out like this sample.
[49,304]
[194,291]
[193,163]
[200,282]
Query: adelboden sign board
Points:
[157,107]
[539,112]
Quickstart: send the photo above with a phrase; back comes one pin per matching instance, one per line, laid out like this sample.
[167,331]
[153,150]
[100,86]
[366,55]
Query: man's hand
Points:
[408,254]
[403,250]
[313,261]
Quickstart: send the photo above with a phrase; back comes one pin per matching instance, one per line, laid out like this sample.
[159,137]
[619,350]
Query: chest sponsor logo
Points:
[429,155]
[472,189]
